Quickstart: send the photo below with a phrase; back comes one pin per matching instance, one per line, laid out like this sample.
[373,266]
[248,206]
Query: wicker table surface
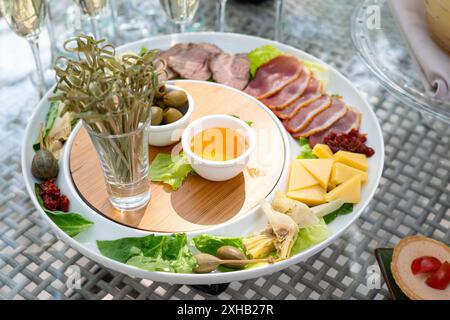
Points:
[413,196]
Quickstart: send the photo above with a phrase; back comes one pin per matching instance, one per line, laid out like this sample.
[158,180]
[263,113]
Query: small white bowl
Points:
[167,134]
[218,170]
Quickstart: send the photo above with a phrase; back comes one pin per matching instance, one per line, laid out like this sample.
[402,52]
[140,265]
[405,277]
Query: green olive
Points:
[171,115]
[157,116]
[160,92]
[175,99]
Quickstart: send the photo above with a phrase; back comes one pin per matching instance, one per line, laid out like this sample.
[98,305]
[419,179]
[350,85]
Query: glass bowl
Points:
[383,50]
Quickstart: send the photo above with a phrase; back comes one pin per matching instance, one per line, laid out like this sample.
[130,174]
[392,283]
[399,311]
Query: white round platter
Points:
[105,229]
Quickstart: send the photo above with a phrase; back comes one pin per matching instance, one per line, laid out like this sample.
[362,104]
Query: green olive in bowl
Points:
[157,116]
[171,115]
[175,99]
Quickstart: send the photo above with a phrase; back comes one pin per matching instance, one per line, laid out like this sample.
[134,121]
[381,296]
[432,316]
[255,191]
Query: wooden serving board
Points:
[199,203]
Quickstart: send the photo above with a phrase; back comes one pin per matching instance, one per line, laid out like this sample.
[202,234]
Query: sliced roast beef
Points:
[211,48]
[191,63]
[306,114]
[312,93]
[231,70]
[171,74]
[290,93]
[325,119]
[351,120]
[274,76]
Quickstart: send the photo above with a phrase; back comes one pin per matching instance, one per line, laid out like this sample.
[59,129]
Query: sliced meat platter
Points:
[291,90]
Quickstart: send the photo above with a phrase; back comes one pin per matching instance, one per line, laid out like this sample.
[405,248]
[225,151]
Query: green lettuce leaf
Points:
[308,237]
[152,253]
[305,151]
[170,170]
[70,223]
[206,243]
[345,209]
[260,56]
[50,118]
[142,51]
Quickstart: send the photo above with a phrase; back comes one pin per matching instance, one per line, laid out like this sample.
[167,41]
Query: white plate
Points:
[105,229]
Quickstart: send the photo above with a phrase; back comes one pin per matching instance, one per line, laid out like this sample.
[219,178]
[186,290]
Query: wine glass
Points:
[279,4]
[221,15]
[25,18]
[180,12]
[93,9]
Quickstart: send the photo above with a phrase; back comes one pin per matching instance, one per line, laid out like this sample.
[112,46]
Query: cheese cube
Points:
[300,178]
[355,160]
[322,151]
[342,173]
[320,169]
[312,196]
[349,191]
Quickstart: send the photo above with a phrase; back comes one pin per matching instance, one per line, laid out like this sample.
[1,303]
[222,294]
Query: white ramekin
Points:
[218,170]
[167,134]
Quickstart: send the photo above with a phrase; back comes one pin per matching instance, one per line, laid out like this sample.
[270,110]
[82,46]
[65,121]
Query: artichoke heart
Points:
[284,228]
[260,245]
[298,211]
[58,134]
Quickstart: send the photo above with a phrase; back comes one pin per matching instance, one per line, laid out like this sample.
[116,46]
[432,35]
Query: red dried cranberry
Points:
[352,141]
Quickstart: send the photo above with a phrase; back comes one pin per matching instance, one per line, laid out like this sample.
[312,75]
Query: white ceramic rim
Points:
[250,136]
[212,278]
[181,121]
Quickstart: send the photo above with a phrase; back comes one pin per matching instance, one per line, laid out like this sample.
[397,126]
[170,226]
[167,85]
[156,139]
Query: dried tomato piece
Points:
[52,197]
[352,141]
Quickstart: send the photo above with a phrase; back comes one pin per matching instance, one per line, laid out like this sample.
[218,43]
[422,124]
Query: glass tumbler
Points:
[124,159]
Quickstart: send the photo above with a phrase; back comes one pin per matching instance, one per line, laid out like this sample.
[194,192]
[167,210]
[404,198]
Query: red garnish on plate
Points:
[425,264]
[52,197]
[352,141]
[440,279]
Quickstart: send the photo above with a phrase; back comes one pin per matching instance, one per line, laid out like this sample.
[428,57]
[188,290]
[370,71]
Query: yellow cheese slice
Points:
[320,169]
[355,160]
[341,173]
[300,178]
[312,196]
[349,191]
[322,151]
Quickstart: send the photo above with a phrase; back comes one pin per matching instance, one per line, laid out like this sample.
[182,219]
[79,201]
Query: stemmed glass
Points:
[279,4]
[93,10]
[180,12]
[25,18]
[221,15]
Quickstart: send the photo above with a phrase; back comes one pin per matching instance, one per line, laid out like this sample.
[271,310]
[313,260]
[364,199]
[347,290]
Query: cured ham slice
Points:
[290,93]
[325,119]
[351,120]
[274,75]
[312,93]
[306,114]
[231,70]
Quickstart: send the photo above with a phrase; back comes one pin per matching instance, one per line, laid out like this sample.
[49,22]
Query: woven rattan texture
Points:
[413,196]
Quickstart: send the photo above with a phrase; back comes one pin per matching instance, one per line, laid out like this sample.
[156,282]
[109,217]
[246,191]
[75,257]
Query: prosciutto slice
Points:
[306,114]
[325,119]
[351,120]
[290,93]
[312,93]
[274,75]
